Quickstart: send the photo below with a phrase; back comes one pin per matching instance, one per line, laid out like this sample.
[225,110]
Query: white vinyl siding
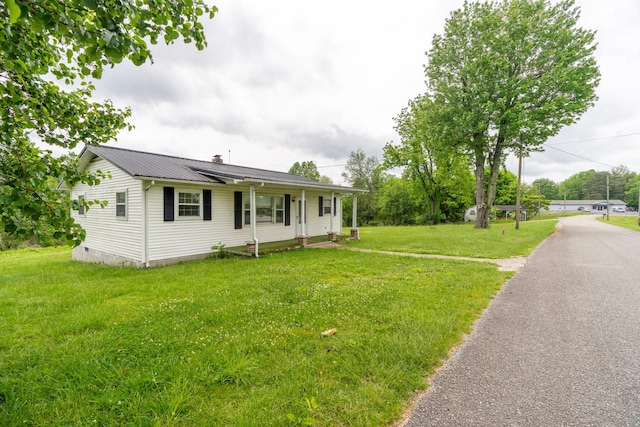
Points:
[106,231]
[109,233]
[174,239]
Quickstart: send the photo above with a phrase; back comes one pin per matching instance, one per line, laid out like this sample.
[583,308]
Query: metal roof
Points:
[141,164]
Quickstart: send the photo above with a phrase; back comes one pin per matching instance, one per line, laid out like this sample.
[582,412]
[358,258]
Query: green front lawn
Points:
[500,240]
[626,221]
[230,341]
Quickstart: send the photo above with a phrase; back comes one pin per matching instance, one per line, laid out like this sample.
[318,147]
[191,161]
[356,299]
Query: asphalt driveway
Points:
[559,345]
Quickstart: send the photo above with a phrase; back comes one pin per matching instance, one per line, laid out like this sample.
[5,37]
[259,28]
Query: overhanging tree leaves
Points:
[50,53]
[506,76]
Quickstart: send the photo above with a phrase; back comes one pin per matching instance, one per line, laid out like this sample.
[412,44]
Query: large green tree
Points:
[618,179]
[365,172]
[573,188]
[506,188]
[310,170]
[396,202]
[51,52]
[548,188]
[507,75]
[632,191]
[441,173]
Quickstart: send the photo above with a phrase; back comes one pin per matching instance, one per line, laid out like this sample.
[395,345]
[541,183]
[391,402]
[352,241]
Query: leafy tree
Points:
[533,200]
[618,178]
[310,170]
[366,173]
[51,51]
[440,173]
[506,188]
[548,188]
[573,187]
[505,76]
[396,202]
[595,186]
[631,191]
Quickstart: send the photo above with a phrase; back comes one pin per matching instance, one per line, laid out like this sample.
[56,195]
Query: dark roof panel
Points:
[160,166]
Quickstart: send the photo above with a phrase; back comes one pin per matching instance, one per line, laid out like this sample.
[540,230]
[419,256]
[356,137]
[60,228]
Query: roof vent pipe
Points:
[217,158]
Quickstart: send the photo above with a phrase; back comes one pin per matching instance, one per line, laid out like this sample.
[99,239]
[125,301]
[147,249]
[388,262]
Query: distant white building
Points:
[596,206]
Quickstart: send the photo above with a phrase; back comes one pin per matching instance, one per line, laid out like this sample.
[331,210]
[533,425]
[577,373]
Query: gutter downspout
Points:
[145,218]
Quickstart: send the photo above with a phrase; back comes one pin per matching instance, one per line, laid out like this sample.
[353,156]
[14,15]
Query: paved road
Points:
[559,345]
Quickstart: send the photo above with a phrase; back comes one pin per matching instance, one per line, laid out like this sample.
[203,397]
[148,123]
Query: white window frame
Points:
[82,210]
[177,202]
[275,210]
[326,205]
[125,204]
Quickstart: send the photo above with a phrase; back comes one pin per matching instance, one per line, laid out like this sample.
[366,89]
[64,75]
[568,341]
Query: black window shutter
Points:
[206,204]
[287,209]
[237,209]
[169,207]
[321,208]
[335,206]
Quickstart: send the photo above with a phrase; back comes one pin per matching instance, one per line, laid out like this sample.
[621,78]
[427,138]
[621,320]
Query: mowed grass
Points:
[500,240]
[233,342]
[626,221]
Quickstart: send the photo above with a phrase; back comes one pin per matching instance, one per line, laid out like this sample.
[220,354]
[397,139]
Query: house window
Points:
[188,204]
[121,204]
[81,208]
[269,210]
[327,205]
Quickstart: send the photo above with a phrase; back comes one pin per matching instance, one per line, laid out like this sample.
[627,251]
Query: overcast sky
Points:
[284,81]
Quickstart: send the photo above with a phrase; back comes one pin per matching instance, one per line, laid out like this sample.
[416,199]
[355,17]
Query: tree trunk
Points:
[486,197]
[482,210]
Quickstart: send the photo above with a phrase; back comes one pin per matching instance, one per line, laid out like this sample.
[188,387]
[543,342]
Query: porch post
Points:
[331,214]
[354,218]
[303,238]
[252,219]
[304,213]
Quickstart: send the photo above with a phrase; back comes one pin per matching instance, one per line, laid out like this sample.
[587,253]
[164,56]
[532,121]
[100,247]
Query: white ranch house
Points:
[163,209]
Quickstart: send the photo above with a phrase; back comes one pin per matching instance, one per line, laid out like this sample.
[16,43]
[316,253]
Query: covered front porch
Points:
[314,216]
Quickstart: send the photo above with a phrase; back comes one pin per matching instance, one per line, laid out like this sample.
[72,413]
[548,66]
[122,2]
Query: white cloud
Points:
[286,81]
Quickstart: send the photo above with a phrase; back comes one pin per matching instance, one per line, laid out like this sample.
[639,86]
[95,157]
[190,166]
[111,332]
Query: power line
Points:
[595,139]
[580,157]
[329,166]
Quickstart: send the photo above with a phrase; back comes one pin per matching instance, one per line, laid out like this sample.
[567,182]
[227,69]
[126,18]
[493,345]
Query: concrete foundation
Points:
[85,254]
[251,248]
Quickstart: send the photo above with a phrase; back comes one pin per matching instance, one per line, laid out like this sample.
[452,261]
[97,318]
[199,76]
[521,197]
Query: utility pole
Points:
[607,196]
[518,188]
